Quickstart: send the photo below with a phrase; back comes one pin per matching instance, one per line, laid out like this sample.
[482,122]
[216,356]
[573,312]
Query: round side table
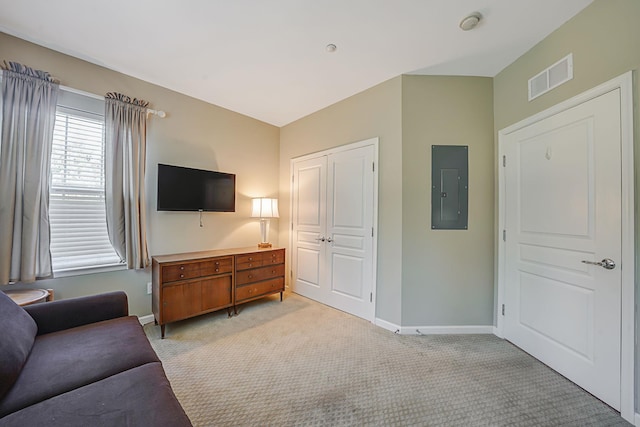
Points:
[24,297]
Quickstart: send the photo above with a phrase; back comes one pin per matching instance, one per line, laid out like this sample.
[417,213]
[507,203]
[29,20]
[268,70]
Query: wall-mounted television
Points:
[187,189]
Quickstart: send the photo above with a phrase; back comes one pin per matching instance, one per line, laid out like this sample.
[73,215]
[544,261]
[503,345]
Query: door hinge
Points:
[504,235]
[371,231]
[292,178]
[503,309]
[291,226]
[504,161]
[371,297]
[373,166]
[291,274]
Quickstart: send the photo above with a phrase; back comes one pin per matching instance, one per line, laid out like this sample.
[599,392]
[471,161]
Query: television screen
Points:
[187,189]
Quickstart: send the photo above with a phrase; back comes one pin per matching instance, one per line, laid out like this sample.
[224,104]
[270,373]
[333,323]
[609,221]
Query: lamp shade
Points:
[264,208]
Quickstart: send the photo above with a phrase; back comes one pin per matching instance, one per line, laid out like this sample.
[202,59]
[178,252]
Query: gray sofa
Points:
[81,362]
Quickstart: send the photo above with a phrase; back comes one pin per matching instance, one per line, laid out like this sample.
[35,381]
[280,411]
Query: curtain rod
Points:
[158,113]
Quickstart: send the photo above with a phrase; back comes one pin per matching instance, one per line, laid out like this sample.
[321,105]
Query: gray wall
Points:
[447,275]
[605,42]
[194,134]
[420,278]
[375,112]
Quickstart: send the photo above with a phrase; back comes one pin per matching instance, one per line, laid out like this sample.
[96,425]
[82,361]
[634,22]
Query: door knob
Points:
[329,239]
[321,239]
[606,263]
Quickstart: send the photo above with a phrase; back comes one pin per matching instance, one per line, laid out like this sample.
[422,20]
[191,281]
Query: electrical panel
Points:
[449,187]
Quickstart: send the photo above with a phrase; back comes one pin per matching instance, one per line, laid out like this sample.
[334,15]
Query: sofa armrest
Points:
[64,314]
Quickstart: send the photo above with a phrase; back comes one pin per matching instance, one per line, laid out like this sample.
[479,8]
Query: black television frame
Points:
[173,181]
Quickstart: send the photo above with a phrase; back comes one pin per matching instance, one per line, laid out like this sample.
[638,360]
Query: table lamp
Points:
[264,208]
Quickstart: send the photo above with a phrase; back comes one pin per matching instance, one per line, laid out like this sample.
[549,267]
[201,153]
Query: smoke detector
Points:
[470,22]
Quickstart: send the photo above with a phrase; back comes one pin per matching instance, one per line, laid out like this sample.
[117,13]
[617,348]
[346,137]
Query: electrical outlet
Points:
[149,288]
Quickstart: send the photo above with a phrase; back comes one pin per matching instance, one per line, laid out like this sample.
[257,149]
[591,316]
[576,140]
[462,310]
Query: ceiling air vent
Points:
[552,77]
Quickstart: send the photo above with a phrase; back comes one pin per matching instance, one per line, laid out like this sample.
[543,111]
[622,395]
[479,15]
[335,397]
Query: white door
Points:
[333,224]
[563,207]
[309,200]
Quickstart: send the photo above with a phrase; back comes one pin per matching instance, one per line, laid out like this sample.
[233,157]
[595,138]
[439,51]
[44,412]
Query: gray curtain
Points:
[29,100]
[125,156]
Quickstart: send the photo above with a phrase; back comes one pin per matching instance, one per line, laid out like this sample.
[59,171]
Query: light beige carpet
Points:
[302,363]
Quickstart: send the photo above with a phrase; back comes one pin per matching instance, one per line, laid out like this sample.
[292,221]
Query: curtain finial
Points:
[126,99]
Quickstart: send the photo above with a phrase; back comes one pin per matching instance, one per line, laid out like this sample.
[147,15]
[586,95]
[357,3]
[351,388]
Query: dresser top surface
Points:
[209,254]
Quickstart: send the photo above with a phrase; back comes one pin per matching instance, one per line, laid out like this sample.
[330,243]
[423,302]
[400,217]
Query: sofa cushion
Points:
[18,333]
[138,397]
[73,312]
[65,360]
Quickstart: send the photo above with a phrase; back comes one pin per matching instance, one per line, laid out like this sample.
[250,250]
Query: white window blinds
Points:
[79,237]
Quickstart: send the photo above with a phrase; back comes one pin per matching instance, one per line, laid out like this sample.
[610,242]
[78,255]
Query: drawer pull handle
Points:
[273,272]
[182,267]
[217,269]
[250,259]
[181,276]
[250,277]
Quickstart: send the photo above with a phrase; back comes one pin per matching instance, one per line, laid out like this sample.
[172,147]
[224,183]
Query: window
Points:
[79,238]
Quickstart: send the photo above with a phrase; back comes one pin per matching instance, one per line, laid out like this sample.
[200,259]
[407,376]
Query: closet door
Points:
[309,200]
[349,235]
[333,227]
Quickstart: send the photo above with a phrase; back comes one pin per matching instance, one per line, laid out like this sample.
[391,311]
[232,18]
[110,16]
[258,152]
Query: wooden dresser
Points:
[259,274]
[190,284]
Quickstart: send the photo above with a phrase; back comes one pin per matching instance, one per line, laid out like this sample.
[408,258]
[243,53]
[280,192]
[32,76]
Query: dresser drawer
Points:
[171,273]
[216,266]
[257,259]
[273,257]
[207,267]
[261,288]
[258,274]
[246,261]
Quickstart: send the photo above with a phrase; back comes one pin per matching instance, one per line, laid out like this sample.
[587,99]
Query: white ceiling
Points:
[267,58]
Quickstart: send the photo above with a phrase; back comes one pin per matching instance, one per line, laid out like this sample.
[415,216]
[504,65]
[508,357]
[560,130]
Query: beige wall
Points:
[194,134]
[375,112]
[605,42]
[447,275]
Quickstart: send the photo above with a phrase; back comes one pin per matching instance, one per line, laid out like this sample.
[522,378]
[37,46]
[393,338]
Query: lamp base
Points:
[264,245]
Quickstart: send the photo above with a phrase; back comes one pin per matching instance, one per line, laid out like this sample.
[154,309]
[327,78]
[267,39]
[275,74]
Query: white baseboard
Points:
[449,330]
[387,325]
[146,319]
[434,330]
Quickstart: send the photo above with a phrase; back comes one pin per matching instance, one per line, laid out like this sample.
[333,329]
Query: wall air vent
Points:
[552,77]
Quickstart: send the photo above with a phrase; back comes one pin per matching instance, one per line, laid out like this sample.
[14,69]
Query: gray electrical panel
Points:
[449,187]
